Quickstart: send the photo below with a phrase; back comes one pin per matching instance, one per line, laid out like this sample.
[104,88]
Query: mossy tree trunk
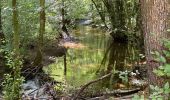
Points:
[1,36]
[1,31]
[16,57]
[39,56]
[109,4]
[122,14]
[154,18]
[116,11]
[64,20]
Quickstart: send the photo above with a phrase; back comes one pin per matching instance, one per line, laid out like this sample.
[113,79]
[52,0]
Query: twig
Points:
[91,82]
[39,73]
[32,91]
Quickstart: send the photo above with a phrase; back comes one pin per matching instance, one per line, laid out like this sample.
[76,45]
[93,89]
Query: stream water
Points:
[95,52]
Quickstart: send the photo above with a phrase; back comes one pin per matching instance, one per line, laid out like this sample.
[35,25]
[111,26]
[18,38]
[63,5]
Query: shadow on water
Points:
[84,59]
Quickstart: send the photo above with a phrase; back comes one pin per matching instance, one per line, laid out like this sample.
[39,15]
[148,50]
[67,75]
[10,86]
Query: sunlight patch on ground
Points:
[74,45]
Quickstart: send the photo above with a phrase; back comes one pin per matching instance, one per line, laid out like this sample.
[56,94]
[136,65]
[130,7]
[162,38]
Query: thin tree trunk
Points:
[42,23]
[39,57]
[101,15]
[16,50]
[154,17]
[1,31]
[65,65]
[64,28]
[15,29]
[110,6]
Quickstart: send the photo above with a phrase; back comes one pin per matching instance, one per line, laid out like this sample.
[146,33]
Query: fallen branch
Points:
[32,91]
[120,93]
[39,73]
[86,85]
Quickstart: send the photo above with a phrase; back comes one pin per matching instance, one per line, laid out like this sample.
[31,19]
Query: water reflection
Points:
[84,58]
[119,57]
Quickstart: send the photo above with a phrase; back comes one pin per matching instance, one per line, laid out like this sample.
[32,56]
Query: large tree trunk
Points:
[154,16]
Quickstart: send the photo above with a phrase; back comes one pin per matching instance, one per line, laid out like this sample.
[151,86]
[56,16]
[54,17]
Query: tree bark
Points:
[15,28]
[64,28]
[16,57]
[39,57]
[1,31]
[116,11]
[100,13]
[110,6]
[154,18]
[65,64]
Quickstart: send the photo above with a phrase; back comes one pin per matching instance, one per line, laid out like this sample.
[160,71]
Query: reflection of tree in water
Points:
[117,55]
[115,58]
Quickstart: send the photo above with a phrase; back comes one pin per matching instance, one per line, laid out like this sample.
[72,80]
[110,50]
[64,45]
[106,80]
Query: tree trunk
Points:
[2,58]
[39,57]
[154,18]
[64,28]
[100,13]
[16,50]
[1,31]
[110,6]
[116,11]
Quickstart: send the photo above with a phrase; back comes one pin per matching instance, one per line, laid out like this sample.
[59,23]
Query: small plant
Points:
[124,76]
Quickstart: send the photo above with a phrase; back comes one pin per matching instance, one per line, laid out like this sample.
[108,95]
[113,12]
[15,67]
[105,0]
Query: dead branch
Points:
[86,85]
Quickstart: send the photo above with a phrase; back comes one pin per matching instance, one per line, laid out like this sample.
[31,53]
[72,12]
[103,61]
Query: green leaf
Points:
[167,69]
[166,86]
[167,91]
[168,30]
[142,97]
[152,87]
[136,97]
[160,98]
[161,67]
[159,72]
[157,88]
[162,59]
[157,53]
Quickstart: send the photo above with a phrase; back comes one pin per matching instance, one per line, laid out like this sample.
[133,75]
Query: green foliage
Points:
[137,97]
[77,8]
[12,87]
[12,82]
[124,76]
[164,69]
[159,93]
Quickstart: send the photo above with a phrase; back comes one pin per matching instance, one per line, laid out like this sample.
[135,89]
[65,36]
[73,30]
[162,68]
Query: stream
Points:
[95,52]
